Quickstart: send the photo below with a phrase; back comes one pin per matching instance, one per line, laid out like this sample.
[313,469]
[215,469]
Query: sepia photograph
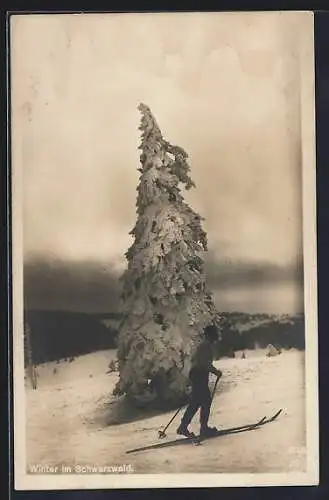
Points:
[163,250]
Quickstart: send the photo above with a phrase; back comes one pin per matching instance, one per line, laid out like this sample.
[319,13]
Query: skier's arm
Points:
[211,368]
[204,360]
[207,365]
[214,370]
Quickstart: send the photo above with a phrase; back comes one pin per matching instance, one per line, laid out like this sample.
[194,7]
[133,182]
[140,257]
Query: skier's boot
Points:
[182,430]
[208,431]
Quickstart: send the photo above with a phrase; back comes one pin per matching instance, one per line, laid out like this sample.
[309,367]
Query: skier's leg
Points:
[192,407]
[205,409]
[204,415]
[187,417]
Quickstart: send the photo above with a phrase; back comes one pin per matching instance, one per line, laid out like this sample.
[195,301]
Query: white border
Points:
[25,481]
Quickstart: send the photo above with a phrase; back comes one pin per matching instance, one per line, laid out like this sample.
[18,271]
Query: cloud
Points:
[224,87]
[230,274]
[82,287]
[89,286]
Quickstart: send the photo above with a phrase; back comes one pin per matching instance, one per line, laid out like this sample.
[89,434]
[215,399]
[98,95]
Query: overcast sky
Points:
[225,87]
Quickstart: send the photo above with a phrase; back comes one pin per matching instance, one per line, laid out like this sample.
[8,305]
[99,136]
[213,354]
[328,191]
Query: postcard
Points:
[163,250]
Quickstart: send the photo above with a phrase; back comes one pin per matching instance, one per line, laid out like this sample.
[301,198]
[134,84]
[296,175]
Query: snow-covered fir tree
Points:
[165,299]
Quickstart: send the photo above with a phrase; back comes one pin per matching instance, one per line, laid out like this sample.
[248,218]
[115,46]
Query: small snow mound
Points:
[272,351]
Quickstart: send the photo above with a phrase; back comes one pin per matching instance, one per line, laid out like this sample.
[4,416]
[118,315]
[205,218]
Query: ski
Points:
[232,430]
[242,428]
[198,440]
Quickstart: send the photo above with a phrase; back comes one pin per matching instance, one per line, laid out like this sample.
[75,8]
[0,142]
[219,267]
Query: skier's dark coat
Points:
[201,367]
[203,357]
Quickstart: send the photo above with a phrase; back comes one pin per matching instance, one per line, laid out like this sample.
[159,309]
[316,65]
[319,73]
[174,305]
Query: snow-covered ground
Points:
[69,419]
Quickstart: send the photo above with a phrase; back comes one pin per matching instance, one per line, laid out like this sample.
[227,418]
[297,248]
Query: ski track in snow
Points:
[66,419]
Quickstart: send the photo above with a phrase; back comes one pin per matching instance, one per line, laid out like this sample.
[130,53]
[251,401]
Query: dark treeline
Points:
[242,331]
[59,335]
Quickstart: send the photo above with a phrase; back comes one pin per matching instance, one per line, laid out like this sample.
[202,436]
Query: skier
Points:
[199,376]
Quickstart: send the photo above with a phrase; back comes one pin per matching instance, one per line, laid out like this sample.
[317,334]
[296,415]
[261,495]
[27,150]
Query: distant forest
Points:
[59,335]
[242,331]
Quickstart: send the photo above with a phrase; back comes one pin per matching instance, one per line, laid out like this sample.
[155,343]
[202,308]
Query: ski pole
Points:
[214,389]
[162,434]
